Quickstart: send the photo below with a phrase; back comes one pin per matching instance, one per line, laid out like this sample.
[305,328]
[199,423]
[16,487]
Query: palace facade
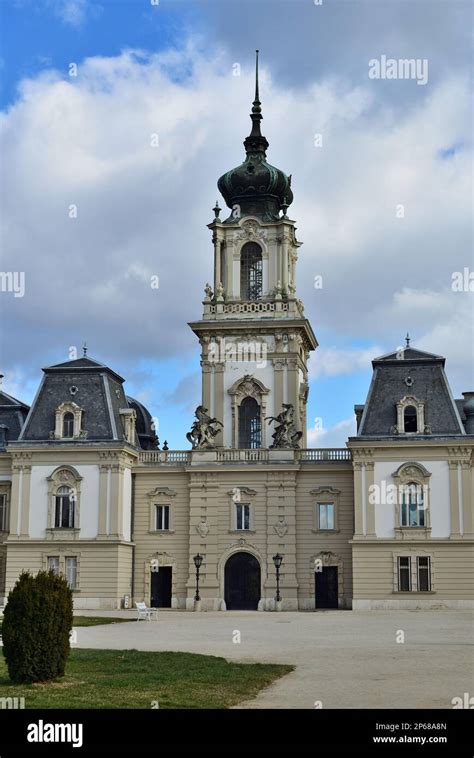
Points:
[386,522]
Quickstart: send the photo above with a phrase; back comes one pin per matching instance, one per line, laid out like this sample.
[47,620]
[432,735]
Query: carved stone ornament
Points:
[250,231]
[202,528]
[65,477]
[281,527]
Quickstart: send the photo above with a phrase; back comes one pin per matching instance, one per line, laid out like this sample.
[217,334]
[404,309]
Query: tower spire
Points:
[257,99]
[256,142]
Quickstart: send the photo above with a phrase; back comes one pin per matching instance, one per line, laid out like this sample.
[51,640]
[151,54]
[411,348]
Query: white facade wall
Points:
[89,504]
[439,498]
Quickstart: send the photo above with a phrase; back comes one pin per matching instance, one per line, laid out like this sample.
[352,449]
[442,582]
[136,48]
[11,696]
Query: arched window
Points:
[64,512]
[250,425]
[251,271]
[410,419]
[413,507]
[68,425]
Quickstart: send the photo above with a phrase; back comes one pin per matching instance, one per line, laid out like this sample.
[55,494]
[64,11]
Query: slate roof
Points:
[12,417]
[93,386]
[409,372]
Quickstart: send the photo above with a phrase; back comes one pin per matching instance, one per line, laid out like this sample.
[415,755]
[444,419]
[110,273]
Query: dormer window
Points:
[410,416]
[68,425]
[68,422]
[410,419]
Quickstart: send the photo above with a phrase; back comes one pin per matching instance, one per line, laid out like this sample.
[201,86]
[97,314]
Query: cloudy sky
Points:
[382,196]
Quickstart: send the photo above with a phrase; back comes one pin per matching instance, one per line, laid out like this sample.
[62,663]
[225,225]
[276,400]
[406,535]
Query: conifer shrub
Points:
[37,623]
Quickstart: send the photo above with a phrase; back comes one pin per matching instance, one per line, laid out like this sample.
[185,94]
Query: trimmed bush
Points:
[36,626]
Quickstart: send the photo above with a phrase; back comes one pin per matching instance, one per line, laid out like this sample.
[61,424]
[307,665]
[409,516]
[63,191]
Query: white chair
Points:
[145,613]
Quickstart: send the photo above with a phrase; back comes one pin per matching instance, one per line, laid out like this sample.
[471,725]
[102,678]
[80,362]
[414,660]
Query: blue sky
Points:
[169,67]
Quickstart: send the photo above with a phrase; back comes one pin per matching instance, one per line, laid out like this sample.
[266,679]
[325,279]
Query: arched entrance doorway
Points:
[242,582]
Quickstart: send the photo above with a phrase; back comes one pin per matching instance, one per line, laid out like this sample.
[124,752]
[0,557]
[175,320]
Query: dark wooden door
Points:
[326,587]
[242,582]
[161,587]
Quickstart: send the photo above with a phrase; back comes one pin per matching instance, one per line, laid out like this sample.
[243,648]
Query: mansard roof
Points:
[12,417]
[94,387]
[82,364]
[409,372]
[410,354]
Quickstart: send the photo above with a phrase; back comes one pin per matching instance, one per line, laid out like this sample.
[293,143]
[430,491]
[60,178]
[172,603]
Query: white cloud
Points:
[334,436]
[71,12]
[332,361]
[143,210]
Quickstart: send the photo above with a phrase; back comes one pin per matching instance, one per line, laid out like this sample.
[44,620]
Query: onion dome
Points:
[468,408]
[144,425]
[256,187]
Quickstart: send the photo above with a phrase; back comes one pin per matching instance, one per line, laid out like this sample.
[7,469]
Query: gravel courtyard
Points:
[343,659]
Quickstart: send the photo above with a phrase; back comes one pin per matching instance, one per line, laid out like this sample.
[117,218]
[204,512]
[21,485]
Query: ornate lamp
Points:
[197,562]
[278,560]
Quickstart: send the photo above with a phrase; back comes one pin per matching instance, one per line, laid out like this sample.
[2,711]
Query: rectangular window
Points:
[162,518]
[404,574]
[242,511]
[424,573]
[71,571]
[3,514]
[325,515]
[53,563]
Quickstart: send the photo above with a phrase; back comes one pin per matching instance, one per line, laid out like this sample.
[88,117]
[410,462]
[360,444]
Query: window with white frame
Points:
[71,571]
[3,513]
[325,516]
[162,523]
[53,564]
[404,573]
[423,570]
[412,512]
[242,516]
[64,508]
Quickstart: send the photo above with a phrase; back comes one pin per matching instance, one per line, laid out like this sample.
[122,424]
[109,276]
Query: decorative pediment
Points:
[409,400]
[248,386]
[325,491]
[411,471]
[162,492]
[242,490]
[65,475]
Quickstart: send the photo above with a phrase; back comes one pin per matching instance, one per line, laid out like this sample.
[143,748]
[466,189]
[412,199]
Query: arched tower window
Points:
[251,271]
[250,425]
[68,425]
[410,419]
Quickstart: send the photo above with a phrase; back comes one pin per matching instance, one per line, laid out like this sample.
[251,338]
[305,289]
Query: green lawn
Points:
[96,620]
[93,620]
[135,679]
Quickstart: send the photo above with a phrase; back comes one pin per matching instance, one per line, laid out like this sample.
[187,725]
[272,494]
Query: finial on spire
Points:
[256,142]
[407,338]
[257,100]
[84,350]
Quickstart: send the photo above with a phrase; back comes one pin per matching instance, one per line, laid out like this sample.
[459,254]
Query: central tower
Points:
[255,339]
